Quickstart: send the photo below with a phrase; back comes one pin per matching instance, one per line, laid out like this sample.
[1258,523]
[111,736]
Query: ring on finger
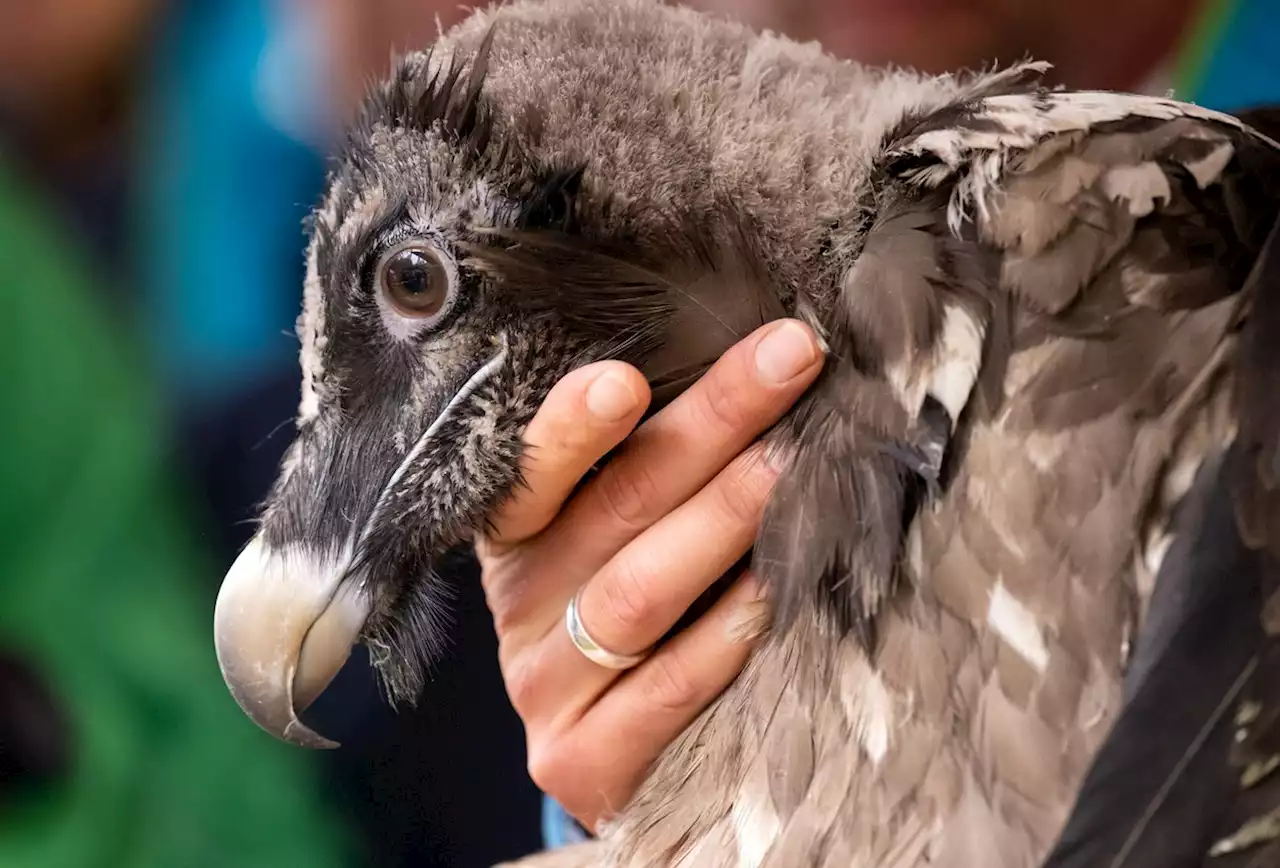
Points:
[590,648]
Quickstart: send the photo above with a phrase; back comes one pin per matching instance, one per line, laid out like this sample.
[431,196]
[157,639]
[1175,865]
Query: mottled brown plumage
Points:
[1022,556]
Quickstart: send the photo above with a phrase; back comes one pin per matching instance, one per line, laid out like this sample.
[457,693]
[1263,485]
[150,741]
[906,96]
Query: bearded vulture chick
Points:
[1022,559]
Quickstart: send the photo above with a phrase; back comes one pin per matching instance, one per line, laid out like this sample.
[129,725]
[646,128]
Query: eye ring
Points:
[414,280]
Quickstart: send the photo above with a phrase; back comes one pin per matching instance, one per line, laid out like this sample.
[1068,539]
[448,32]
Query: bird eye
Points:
[415,281]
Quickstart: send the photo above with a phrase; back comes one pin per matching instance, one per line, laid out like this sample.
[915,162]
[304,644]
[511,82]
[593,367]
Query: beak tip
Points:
[298,733]
[282,629]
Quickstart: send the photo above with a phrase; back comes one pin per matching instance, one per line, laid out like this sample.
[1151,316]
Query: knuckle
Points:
[627,496]
[506,619]
[522,685]
[563,439]
[746,488]
[625,599]
[669,683]
[547,768]
[515,615]
[509,612]
[557,773]
[722,403]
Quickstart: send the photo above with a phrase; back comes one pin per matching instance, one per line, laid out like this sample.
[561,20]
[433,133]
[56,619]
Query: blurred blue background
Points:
[157,158]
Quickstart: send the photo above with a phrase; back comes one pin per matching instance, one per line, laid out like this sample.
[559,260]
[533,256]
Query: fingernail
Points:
[785,352]
[610,397]
[750,619]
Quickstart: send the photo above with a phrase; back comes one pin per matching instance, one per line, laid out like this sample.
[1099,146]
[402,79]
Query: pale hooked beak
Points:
[283,627]
[285,622]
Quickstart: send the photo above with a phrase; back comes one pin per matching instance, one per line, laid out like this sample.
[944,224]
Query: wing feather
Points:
[1101,245]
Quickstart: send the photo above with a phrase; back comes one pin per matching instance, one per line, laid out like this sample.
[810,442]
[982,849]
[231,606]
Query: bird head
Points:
[452,278]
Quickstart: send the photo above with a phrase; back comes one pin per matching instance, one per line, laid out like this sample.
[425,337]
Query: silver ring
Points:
[590,648]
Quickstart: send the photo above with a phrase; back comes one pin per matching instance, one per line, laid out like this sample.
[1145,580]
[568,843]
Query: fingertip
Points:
[785,351]
[616,392]
[586,414]
[604,392]
[597,403]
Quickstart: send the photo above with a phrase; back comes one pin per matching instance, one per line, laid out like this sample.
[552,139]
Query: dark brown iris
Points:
[415,282]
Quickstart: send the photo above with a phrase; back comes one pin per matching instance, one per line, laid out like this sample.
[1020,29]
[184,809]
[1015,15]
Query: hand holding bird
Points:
[666,518]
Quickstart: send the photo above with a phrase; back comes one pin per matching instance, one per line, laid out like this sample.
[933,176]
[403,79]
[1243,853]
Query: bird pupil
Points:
[413,273]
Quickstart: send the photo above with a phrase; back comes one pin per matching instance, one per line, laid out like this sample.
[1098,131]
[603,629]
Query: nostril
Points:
[35,733]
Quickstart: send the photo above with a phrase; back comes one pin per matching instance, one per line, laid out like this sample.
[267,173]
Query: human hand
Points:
[677,506]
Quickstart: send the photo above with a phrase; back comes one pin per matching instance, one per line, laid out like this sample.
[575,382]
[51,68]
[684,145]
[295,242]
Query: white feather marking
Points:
[904,377]
[1016,625]
[950,374]
[756,825]
[1180,477]
[1209,169]
[960,356]
[1156,548]
[869,707]
[311,337]
[873,727]
[915,550]
[1019,122]
[1023,120]
[1140,185]
[1045,449]
[311,322]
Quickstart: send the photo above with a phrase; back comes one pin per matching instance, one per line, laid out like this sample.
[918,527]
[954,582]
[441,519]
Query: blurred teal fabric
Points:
[229,162]
[1231,62]
[101,590]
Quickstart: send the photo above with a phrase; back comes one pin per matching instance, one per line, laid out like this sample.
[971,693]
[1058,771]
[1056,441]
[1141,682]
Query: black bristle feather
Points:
[411,99]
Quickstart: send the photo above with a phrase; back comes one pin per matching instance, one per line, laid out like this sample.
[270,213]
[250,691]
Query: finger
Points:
[669,457]
[585,415]
[641,593]
[615,744]
[681,448]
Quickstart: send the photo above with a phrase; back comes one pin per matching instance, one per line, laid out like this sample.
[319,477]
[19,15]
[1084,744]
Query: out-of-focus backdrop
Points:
[157,158]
